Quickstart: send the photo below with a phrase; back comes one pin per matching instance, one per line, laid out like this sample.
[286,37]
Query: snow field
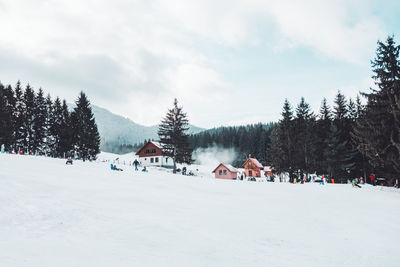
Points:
[87,215]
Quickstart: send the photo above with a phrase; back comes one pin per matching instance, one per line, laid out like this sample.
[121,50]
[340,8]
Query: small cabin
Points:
[253,168]
[226,171]
[151,154]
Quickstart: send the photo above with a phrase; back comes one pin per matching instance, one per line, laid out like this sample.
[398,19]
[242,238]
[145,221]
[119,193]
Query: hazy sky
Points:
[227,62]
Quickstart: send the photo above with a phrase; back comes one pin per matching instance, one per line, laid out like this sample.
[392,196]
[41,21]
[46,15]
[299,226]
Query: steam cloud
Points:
[212,156]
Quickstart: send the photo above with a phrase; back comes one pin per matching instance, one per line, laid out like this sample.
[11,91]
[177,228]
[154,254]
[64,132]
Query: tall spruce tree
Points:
[173,135]
[287,130]
[322,134]
[29,104]
[19,114]
[304,123]
[66,131]
[39,123]
[86,136]
[277,157]
[6,116]
[281,147]
[49,141]
[340,158]
[378,130]
[56,125]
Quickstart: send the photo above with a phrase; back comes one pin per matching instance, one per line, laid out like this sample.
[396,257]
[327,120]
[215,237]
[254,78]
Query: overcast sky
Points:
[227,62]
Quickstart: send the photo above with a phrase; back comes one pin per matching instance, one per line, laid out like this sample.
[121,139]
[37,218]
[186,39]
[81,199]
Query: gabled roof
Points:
[255,162]
[157,144]
[228,166]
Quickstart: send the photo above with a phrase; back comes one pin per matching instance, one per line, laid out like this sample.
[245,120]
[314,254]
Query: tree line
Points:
[38,125]
[246,140]
[350,139]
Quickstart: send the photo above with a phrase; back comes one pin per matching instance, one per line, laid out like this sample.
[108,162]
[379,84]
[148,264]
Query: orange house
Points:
[225,171]
[253,167]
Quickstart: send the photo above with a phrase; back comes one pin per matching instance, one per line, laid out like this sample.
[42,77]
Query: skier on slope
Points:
[136,163]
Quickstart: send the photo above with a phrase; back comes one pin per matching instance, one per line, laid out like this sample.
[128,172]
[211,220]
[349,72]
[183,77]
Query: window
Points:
[224,172]
[153,151]
[220,172]
[157,159]
[151,160]
[166,160]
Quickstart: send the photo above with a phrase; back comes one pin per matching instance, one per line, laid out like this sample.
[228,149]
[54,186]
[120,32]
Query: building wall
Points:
[229,175]
[160,161]
[254,172]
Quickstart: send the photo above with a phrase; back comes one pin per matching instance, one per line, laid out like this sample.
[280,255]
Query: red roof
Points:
[255,162]
[157,144]
[228,166]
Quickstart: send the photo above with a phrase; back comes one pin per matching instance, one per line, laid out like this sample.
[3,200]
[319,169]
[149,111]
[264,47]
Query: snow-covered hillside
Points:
[87,215]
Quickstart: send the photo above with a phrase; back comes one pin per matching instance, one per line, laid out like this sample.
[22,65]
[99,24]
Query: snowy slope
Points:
[87,215]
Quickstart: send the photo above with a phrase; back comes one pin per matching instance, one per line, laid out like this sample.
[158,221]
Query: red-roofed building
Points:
[225,171]
[253,167]
[151,154]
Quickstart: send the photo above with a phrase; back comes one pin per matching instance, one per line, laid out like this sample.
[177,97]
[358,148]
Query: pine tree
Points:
[322,134]
[281,146]
[49,140]
[378,130]
[345,152]
[66,133]
[339,157]
[287,130]
[86,136]
[6,116]
[56,125]
[304,123]
[173,135]
[19,118]
[29,103]
[352,110]
[39,123]
[276,154]
[340,109]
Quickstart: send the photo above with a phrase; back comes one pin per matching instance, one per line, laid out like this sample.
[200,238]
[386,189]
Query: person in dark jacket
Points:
[136,163]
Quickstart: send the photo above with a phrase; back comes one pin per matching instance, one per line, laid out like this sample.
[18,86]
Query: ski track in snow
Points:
[87,215]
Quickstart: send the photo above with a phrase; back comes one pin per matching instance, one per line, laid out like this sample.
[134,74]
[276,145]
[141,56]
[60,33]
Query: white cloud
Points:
[332,28]
[134,57]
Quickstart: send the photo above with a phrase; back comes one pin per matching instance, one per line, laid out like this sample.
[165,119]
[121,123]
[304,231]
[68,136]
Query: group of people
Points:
[135,163]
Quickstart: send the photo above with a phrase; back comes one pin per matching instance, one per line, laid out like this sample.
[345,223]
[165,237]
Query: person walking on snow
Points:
[136,163]
[372,177]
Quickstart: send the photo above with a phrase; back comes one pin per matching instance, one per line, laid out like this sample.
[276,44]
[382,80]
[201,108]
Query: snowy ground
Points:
[87,215]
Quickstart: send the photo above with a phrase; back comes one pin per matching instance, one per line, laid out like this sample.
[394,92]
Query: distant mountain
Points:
[116,130]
